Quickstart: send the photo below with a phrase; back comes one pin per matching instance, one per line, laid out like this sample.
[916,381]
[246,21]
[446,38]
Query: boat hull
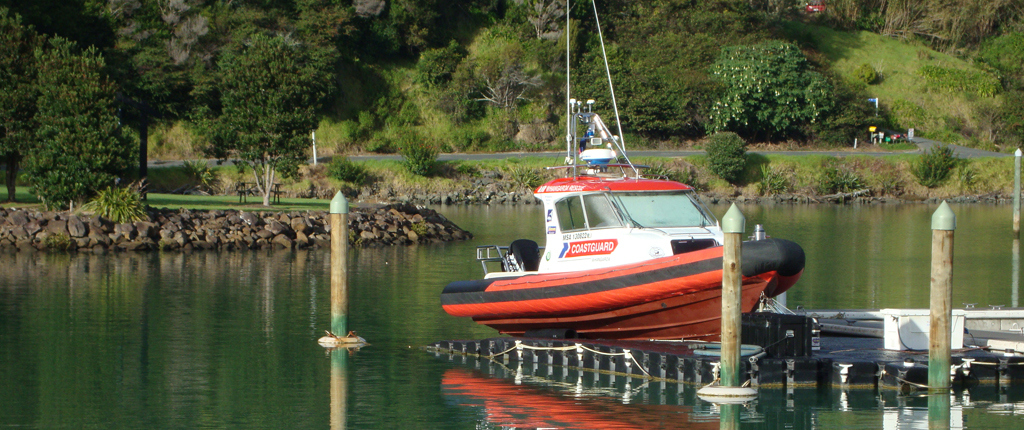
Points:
[697,315]
[667,298]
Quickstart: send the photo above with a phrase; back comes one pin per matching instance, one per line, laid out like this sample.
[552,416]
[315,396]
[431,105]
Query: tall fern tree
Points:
[17,93]
[270,92]
[81,146]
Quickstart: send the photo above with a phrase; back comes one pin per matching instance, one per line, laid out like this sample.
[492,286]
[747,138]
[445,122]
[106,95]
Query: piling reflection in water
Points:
[339,388]
[1015,278]
[938,411]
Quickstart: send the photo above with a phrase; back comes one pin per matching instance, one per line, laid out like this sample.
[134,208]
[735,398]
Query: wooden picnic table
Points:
[245,189]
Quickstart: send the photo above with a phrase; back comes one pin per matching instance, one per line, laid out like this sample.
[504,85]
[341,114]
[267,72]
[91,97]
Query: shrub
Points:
[967,178]
[848,119]
[59,242]
[1004,52]
[420,228]
[463,139]
[934,166]
[866,74]
[380,145]
[890,186]
[660,170]
[522,177]
[418,156]
[949,80]
[908,114]
[343,169]
[467,169]
[119,204]
[436,66]
[836,179]
[773,181]
[727,155]
[201,176]
[688,175]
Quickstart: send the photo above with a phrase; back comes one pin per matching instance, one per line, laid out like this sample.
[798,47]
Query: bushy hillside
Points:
[489,75]
[941,96]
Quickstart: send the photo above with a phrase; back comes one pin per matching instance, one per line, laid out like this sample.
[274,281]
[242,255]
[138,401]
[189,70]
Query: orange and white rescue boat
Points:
[626,256]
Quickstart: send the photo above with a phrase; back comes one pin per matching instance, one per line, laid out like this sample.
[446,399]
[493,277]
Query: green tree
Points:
[660,53]
[770,91]
[270,93]
[82,148]
[501,69]
[17,93]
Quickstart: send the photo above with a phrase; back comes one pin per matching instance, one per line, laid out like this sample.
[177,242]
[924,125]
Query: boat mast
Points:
[570,155]
[621,141]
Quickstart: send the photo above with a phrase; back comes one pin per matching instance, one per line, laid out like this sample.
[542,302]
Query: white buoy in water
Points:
[726,395]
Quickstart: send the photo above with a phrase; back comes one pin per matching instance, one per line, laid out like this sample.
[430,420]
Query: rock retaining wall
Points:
[188,230]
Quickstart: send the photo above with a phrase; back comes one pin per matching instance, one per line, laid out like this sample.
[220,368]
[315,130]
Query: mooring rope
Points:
[625,352]
[519,346]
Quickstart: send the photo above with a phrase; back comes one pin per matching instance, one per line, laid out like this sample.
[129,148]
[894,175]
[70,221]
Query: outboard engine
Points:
[523,256]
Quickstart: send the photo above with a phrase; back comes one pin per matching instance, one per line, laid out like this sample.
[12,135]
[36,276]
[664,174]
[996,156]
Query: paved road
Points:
[960,151]
[922,144]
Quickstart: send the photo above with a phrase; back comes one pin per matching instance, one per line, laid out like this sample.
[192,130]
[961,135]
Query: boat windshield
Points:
[663,209]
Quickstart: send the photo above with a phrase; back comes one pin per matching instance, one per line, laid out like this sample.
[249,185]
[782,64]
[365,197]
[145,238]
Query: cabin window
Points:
[659,210]
[570,213]
[590,211]
[600,211]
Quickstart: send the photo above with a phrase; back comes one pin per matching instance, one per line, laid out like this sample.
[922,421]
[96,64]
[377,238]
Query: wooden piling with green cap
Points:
[733,225]
[339,265]
[941,309]
[728,389]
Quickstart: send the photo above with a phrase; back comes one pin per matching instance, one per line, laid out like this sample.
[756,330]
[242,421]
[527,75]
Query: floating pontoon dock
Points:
[789,355]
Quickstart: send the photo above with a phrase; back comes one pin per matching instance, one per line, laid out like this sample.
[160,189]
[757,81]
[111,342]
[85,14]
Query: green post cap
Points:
[943,218]
[733,221]
[339,205]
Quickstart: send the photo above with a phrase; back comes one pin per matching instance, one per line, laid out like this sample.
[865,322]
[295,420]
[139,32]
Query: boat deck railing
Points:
[490,253]
[493,254]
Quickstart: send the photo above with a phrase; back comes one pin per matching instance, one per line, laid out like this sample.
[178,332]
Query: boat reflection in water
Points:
[544,396]
[535,402]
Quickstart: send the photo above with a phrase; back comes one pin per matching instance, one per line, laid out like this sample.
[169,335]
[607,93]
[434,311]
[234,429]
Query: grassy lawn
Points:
[25,199]
[22,196]
[175,201]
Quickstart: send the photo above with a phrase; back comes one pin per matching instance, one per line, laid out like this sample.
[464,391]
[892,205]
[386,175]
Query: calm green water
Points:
[228,340]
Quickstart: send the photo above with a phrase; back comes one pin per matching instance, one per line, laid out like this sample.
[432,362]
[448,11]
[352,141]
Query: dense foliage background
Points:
[490,74]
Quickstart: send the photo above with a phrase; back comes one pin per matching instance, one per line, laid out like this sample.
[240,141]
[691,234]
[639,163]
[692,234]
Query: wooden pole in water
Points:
[733,225]
[1016,194]
[339,265]
[943,225]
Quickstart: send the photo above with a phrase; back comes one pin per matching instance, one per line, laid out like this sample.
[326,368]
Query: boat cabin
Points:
[593,220]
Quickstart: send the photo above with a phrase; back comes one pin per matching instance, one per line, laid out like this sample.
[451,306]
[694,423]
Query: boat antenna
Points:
[611,88]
